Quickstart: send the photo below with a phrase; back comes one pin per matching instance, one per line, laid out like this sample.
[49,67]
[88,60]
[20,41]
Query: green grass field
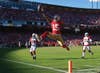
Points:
[49,60]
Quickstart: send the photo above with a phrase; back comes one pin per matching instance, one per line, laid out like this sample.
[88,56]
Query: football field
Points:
[49,60]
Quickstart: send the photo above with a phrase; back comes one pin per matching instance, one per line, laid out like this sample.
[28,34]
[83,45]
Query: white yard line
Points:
[88,69]
[49,68]
[88,65]
[39,66]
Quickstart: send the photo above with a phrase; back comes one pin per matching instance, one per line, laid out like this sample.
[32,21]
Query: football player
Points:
[33,40]
[86,44]
[56,26]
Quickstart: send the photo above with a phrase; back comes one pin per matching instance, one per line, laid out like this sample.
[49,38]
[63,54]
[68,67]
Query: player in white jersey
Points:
[86,44]
[33,40]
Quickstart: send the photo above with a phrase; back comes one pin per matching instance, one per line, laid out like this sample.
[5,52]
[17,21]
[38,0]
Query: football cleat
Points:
[34,57]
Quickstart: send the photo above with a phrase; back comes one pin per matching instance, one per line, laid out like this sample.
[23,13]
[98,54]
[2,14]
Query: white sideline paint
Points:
[50,68]
[88,65]
[88,69]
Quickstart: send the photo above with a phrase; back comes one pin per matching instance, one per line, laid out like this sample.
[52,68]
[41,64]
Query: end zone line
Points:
[87,69]
[39,66]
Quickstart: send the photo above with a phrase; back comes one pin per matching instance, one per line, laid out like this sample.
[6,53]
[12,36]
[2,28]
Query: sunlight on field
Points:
[53,57]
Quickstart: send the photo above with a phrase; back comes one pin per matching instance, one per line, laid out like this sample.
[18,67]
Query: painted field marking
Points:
[49,68]
[39,66]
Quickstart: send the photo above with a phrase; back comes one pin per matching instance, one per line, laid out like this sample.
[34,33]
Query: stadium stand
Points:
[23,18]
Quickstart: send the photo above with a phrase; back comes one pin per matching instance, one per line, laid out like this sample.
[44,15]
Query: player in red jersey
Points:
[33,40]
[86,44]
[56,26]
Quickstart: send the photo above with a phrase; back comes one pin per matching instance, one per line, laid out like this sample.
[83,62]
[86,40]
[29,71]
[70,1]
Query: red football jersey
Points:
[56,27]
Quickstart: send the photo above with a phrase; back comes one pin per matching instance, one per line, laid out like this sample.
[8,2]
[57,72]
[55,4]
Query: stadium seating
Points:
[20,15]
[73,17]
[68,16]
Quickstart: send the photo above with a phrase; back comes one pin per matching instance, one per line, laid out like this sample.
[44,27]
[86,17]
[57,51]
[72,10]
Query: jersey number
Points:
[56,27]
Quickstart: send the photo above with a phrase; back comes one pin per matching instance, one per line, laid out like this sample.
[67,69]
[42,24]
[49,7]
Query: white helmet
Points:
[86,34]
[33,34]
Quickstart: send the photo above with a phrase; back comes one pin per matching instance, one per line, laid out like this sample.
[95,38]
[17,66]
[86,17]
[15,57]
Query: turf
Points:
[54,57]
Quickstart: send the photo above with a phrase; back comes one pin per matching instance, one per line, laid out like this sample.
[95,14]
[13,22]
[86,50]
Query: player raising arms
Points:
[33,40]
[56,26]
[86,44]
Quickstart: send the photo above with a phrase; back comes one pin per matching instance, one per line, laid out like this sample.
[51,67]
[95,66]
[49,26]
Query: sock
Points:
[83,54]
[31,53]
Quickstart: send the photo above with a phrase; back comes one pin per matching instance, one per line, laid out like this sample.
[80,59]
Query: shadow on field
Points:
[63,58]
[57,59]
[82,58]
[90,58]
[5,66]
[72,58]
[5,51]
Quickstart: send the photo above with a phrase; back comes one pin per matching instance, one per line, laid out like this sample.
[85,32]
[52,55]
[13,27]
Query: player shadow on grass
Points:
[5,51]
[90,58]
[73,58]
[63,58]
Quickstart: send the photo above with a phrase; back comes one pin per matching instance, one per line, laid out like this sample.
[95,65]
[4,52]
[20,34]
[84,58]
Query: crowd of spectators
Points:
[14,39]
[75,17]
[70,17]
[22,15]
